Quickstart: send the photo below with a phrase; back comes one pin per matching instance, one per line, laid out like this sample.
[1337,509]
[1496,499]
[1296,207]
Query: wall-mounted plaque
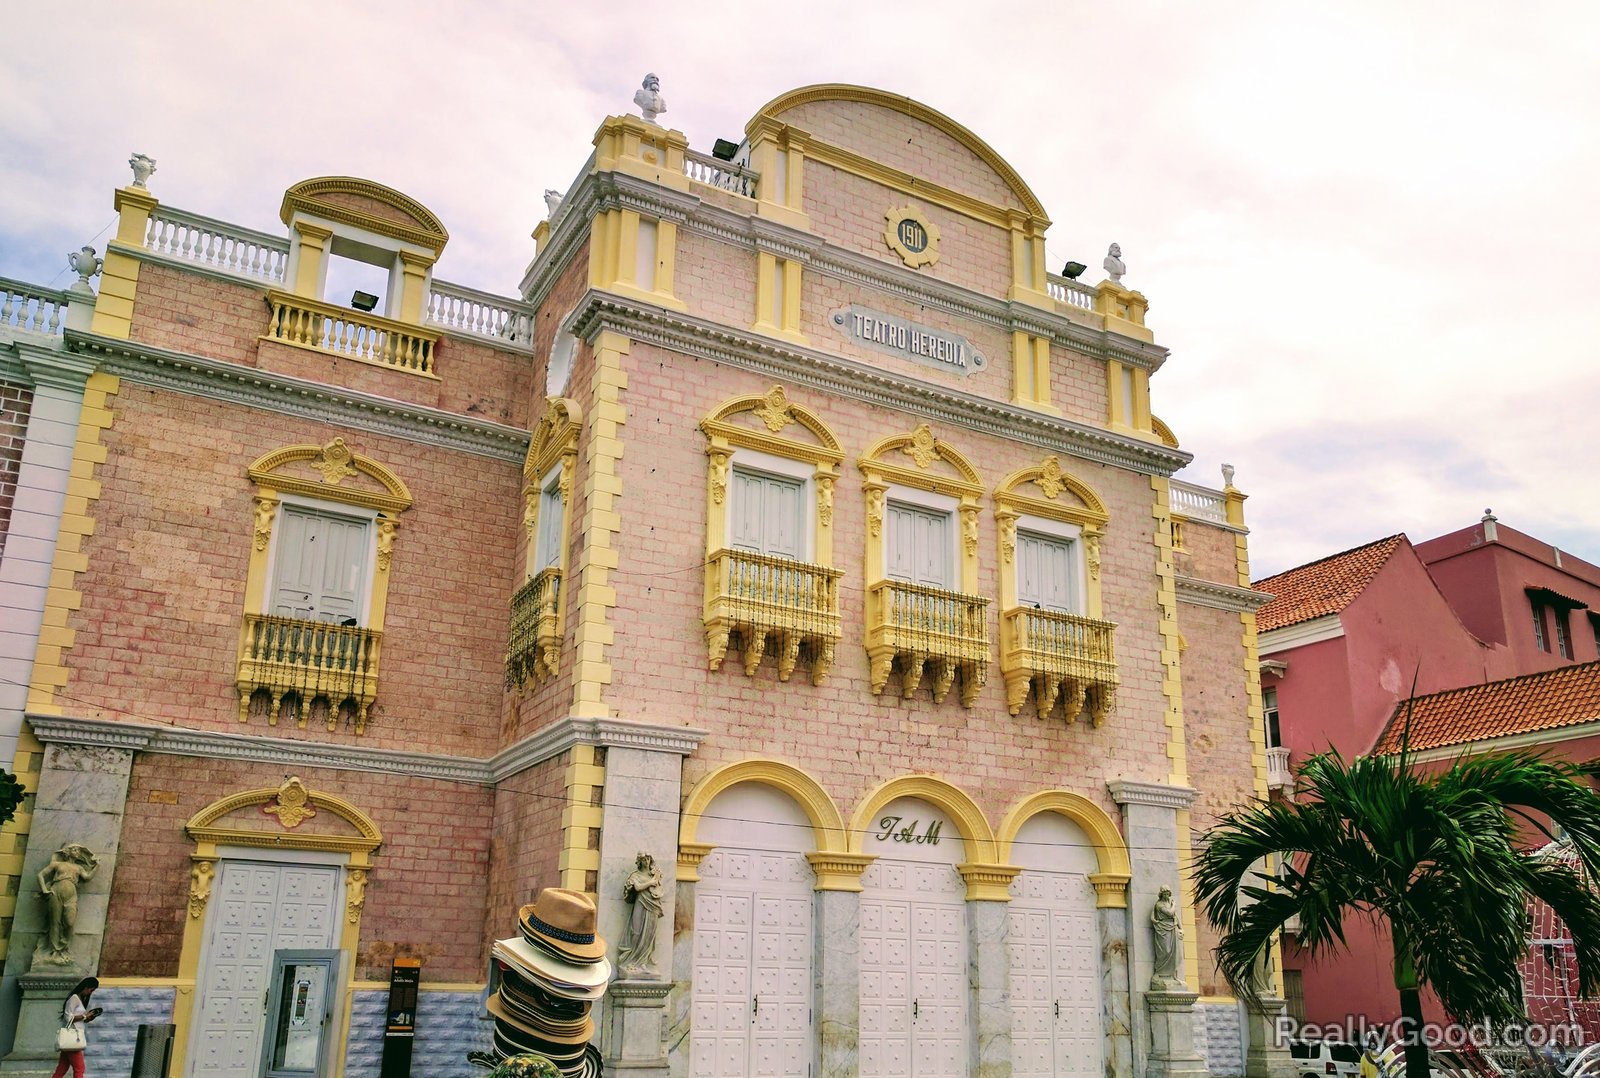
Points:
[897,336]
[912,236]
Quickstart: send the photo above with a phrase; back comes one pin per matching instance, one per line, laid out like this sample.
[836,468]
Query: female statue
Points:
[643,890]
[70,867]
[1167,952]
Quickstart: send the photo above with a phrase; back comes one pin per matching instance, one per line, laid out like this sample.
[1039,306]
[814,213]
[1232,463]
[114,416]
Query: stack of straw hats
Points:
[551,974]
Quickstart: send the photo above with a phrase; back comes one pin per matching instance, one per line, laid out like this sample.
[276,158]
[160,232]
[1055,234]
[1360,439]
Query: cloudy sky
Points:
[1367,230]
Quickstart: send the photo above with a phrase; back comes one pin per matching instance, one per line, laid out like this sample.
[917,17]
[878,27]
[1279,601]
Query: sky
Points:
[1367,231]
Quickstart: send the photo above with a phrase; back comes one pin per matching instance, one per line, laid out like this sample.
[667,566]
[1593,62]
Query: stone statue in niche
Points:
[642,892]
[70,867]
[1168,951]
[1114,265]
[648,98]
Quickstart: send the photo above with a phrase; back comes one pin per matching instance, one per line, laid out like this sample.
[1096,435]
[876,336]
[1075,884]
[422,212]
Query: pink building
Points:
[1347,638]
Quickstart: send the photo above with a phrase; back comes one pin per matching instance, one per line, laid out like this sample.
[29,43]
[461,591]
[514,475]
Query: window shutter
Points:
[766,515]
[1046,573]
[919,546]
[319,566]
[295,571]
[344,566]
[552,526]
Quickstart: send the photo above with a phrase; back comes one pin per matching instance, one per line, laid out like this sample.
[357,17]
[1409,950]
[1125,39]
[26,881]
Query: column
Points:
[1163,1021]
[1115,1000]
[989,971]
[83,791]
[836,959]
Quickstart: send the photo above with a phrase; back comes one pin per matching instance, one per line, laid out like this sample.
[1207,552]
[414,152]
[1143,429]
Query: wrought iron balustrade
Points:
[924,628]
[1061,656]
[535,645]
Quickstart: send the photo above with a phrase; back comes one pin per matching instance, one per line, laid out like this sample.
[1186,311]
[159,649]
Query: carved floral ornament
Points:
[334,462]
[293,805]
[923,447]
[774,410]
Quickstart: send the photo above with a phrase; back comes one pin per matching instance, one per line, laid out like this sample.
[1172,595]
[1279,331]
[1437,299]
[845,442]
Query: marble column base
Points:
[43,996]
[632,1043]
[1172,1051]
[1267,1056]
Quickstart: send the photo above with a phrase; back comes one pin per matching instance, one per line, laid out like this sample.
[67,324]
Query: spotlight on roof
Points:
[1071,270]
[364,301]
[723,150]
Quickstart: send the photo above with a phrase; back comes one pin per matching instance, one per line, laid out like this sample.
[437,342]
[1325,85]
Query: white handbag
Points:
[71,1038]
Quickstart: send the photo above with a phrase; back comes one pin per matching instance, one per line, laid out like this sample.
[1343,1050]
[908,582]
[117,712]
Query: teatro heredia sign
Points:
[898,336]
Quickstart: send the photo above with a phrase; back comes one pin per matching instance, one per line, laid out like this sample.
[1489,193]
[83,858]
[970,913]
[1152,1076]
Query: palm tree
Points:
[1443,859]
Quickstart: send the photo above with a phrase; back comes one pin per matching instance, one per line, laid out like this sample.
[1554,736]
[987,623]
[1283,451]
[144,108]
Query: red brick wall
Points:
[15,403]
[425,895]
[525,854]
[157,634]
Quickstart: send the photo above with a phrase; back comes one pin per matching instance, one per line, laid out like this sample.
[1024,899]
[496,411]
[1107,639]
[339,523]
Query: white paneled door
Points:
[913,971]
[752,1011]
[256,909]
[1054,945]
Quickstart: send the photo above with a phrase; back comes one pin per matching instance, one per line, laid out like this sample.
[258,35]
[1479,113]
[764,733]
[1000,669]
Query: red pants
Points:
[75,1059]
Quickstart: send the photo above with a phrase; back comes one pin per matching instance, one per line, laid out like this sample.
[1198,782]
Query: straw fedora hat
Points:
[554,1043]
[562,921]
[564,979]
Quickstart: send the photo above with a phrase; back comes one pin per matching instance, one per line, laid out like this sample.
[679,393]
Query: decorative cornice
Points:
[213,745]
[599,191]
[1160,795]
[1327,627]
[1218,596]
[551,741]
[798,365]
[284,394]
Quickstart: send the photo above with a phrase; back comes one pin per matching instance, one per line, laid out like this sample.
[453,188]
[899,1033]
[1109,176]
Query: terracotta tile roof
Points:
[1550,700]
[1322,587]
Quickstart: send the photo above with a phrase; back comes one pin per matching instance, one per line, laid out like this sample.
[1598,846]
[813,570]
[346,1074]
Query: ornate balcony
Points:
[341,331]
[535,647]
[1279,777]
[922,628]
[759,598]
[301,662]
[1060,656]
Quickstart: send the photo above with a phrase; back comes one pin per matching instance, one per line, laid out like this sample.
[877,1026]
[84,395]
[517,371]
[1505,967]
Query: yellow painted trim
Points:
[309,253]
[119,274]
[581,814]
[629,145]
[916,110]
[952,800]
[306,196]
[1163,432]
[777,154]
[613,258]
[140,982]
[826,822]
[597,554]
[396,499]
[1110,850]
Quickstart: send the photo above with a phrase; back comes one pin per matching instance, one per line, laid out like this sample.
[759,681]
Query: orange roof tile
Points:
[1550,700]
[1322,587]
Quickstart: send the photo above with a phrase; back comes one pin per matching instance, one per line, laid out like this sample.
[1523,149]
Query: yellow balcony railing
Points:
[1062,656]
[757,597]
[923,628]
[535,646]
[341,331]
[299,663]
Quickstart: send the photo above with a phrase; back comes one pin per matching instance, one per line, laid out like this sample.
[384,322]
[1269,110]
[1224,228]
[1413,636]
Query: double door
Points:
[1053,939]
[752,1008]
[913,971]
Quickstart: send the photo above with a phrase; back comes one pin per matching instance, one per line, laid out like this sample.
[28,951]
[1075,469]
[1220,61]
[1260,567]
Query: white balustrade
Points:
[1278,773]
[723,175]
[1072,293]
[31,309]
[242,252]
[1199,503]
[457,309]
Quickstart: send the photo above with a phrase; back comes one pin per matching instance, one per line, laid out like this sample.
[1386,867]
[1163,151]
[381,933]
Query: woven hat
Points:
[554,1043]
[542,1022]
[558,978]
[562,921]
[530,995]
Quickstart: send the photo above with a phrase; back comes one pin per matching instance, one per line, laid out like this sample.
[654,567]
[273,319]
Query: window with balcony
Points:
[533,651]
[922,567]
[770,582]
[1053,641]
[1279,777]
[326,518]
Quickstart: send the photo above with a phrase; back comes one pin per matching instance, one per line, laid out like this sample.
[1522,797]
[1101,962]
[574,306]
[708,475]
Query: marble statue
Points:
[84,263]
[143,168]
[642,892]
[1168,943]
[552,203]
[648,98]
[70,867]
[1114,264]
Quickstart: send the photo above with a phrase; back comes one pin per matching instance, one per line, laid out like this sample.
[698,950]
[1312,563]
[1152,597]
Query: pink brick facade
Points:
[14,404]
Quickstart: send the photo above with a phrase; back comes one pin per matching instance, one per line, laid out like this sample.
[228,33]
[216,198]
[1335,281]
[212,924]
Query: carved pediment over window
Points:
[765,422]
[332,472]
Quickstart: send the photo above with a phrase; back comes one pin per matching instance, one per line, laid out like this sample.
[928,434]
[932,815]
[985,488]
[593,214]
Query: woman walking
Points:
[74,1016]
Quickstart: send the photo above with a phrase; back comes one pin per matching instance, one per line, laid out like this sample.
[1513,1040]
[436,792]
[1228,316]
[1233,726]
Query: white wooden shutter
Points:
[1046,573]
[552,527]
[919,546]
[320,566]
[766,514]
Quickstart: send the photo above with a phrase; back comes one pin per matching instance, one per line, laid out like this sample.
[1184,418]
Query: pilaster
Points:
[989,979]
[837,965]
[119,277]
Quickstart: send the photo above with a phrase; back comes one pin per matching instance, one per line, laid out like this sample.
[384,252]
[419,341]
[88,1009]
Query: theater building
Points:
[792,524]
